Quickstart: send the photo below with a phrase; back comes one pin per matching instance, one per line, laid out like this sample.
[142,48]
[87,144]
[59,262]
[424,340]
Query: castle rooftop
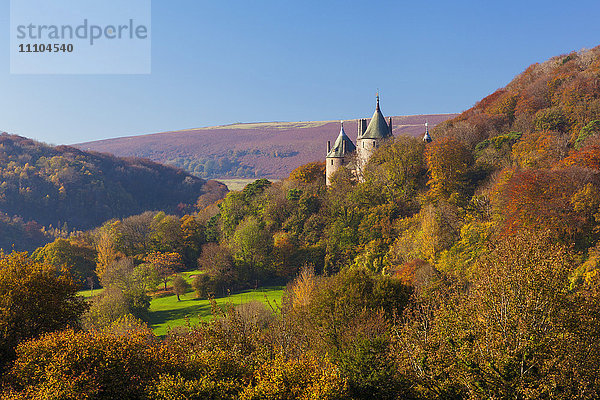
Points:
[378,127]
[342,146]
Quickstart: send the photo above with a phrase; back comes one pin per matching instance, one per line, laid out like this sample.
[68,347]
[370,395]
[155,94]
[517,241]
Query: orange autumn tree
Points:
[588,157]
[548,200]
[165,264]
[541,149]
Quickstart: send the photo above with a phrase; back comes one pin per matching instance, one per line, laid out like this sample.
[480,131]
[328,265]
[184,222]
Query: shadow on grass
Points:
[191,311]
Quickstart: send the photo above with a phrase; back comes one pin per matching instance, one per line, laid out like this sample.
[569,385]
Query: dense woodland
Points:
[463,268]
[229,165]
[47,192]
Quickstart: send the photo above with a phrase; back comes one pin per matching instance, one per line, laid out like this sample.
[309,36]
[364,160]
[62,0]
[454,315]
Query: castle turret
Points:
[377,131]
[427,137]
[339,154]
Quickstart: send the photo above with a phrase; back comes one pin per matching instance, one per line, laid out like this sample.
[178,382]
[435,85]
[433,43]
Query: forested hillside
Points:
[67,189]
[466,268]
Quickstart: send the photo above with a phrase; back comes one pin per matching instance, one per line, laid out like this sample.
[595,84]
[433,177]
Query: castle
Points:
[370,136]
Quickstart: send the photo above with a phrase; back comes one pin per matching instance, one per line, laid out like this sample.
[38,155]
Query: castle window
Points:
[342,162]
[363,145]
[331,162]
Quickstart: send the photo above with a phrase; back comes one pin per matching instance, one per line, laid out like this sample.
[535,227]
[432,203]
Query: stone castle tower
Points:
[369,138]
[427,136]
[341,153]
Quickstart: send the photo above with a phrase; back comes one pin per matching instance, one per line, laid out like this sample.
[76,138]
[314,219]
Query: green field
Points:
[166,312]
[89,293]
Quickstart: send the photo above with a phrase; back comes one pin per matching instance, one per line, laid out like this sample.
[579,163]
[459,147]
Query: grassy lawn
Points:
[89,293]
[167,312]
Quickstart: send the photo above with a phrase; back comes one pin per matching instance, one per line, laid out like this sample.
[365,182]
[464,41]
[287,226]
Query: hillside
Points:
[270,150]
[554,104]
[66,188]
[463,268]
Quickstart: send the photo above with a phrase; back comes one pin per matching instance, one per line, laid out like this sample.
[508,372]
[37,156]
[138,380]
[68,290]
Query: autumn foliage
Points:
[464,268]
[35,299]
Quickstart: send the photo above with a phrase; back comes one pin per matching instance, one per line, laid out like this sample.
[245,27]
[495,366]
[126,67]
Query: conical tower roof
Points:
[338,146]
[378,127]
[427,137]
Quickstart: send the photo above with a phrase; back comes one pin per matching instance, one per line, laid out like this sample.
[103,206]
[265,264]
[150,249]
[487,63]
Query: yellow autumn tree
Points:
[448,163]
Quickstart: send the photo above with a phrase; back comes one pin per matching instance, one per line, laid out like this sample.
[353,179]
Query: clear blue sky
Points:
[218,62]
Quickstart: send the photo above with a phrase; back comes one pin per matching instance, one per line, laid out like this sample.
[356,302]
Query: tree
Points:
[303,378]
[309,173]
[34,299]
[133,233]
[284,248]
[540,149]
[396,170]
[551,119]
[106,248]
[251,243]
[232,211]
[118,362]
[166,233]
[193,236]
[218,271]
[513,331]
[165,264]
[587,157]
[348,317]
[125,292]
[106,308]
[180,286]
[588,131]
[78,257]
[561,201]
[448,162]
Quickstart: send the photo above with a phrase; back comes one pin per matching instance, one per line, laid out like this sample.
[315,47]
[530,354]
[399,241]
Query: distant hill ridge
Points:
[42,185]
[247,150]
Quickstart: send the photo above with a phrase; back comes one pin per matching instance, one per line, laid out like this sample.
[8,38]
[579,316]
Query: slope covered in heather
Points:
[270,150]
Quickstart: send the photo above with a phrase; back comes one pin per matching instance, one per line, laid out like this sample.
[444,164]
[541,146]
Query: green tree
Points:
[348,318]
[252,244]
[232,211]
[125,292]
[396,170]
[166,233]
[76,256]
